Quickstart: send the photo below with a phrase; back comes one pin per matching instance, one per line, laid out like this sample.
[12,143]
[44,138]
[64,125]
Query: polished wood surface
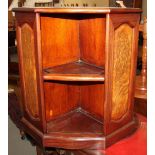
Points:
[76,71]
[126,3]
[89,96]
[133,3]
[62,48]
[95,10]
[63,98]
[79,61]
[92,99]
[92,45]
[71,123]
[116,22]
[28,23]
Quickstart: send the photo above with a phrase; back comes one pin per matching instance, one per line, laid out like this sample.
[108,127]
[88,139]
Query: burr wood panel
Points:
[75,113]
[121,70]
[29,70]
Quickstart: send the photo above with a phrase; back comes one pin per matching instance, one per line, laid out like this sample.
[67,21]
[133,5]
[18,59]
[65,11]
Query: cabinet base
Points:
[78,141]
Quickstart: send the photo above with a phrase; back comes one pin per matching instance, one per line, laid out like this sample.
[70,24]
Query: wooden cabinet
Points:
[127,3]
[77,69]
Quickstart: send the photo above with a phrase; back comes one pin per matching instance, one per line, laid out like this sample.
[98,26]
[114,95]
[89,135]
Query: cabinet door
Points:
[28,64]
[120,69]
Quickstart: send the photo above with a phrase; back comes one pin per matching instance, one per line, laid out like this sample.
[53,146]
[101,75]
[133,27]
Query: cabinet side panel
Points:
[59,40]
[60,98]
[27,34]
[120,70]
[123,38]
[92,39]
[92,99]
[29,70]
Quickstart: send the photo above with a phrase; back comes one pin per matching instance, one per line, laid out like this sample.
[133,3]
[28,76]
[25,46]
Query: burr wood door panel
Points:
[120,69]
[26,28]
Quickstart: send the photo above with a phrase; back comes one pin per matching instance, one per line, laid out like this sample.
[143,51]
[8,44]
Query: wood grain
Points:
[115,121]
[97,10]
[92,46]
[29,71]
[121,70]
[92,99]
[59,40]
[76,71]
[71,123]
[60,98]
[106,108]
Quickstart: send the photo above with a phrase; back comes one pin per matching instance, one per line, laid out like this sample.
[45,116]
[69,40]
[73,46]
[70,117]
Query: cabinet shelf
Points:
[67,130]
[75,71]
[71,123]
[65,56]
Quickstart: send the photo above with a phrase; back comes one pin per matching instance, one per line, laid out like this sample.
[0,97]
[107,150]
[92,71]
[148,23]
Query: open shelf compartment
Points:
[76,128]
[74,122]
[75,71]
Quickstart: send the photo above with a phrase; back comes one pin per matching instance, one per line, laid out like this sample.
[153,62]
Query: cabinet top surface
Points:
[78,10]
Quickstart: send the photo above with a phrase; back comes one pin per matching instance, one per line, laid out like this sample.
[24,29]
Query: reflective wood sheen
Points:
[92,99]
[92,46]
[80,75]
[70,123]
[76,71]
[60,98]
[62,48]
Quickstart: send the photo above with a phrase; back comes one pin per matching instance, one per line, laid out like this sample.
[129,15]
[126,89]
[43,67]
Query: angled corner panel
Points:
[121,55]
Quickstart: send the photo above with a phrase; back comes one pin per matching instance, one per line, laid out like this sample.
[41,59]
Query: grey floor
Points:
[16,146]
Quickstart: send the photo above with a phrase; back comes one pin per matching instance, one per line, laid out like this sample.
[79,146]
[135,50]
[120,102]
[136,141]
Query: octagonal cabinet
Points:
[77,71]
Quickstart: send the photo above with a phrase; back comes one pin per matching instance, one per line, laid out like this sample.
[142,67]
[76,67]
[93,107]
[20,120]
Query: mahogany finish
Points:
[82,10]
[77,69]
[63,98]
[92,99]
[69,123]
[92,45]
[62,48]
[74,71]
